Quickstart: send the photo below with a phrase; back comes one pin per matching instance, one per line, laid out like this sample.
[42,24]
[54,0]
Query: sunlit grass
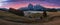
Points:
[13,17]
[10,16]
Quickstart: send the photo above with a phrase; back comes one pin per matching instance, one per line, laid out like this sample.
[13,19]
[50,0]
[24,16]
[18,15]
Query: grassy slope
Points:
[10,16]
[15,18]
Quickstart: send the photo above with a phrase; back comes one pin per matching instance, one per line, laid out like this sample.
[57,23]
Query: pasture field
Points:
[7,18]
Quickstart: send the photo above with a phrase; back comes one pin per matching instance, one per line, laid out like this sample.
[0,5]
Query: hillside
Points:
[7,18]
[12,17]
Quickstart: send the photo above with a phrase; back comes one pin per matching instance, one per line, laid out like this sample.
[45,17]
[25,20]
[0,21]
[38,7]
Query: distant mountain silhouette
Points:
[32,8]
[4,9]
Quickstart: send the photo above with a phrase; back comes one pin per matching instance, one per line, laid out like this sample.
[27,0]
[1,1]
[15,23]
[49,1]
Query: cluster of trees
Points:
[17,12]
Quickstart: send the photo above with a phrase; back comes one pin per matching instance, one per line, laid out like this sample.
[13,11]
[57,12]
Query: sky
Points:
[24,3]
